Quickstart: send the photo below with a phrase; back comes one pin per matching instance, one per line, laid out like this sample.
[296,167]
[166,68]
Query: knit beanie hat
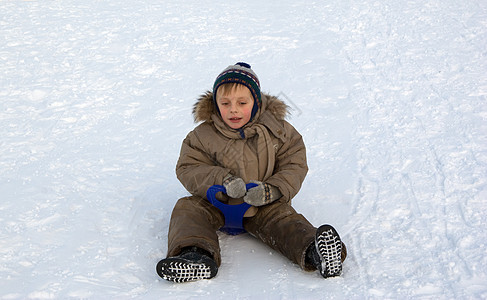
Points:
[243,74]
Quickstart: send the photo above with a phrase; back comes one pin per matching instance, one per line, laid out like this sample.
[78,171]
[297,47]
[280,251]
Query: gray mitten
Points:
[262,194]
[235,186]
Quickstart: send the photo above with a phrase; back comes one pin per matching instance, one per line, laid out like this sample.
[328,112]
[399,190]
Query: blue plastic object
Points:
[233,213]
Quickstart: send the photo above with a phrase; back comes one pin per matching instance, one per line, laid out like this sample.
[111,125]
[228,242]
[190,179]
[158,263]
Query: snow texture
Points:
[96,98]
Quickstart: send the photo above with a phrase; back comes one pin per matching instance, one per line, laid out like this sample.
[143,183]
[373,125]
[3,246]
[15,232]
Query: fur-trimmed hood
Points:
[204,107]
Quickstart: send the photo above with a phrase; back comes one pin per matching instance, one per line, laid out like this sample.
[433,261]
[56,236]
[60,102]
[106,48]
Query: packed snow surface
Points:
[96,98]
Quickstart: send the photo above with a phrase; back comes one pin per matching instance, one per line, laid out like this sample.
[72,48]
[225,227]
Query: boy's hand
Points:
[262,194]
[235,186]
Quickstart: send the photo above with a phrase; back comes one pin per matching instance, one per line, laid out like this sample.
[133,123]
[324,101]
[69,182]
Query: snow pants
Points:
[195,221]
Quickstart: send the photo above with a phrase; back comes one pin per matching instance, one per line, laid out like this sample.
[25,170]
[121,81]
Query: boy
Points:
[243,138]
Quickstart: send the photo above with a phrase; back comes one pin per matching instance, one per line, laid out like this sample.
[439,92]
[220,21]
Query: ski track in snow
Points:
[96,97]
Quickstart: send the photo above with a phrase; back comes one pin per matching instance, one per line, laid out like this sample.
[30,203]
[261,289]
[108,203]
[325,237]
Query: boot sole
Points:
[180,270]
[329,247]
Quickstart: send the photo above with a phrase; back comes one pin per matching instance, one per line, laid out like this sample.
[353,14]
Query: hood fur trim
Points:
[204,108]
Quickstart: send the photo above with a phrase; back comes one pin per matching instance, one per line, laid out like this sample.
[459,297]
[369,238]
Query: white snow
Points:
[96,98]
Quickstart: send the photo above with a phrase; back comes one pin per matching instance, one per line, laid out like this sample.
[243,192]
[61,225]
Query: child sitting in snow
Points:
[243,138]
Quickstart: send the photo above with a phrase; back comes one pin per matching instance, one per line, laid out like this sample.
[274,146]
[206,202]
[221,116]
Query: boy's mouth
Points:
[235,120]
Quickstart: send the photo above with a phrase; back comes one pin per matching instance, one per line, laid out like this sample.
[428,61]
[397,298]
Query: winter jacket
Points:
[267,149]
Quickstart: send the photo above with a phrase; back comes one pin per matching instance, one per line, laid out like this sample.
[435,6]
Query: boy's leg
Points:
[194,222]
[193,250]
[283,229]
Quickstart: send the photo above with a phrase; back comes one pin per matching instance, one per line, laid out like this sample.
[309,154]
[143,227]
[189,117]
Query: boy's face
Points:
[235,106]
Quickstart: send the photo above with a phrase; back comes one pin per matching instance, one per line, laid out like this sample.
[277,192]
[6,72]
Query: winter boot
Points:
[192,264]
[326,254]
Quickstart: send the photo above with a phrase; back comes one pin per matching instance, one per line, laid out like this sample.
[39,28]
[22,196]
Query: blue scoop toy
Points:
[233,213]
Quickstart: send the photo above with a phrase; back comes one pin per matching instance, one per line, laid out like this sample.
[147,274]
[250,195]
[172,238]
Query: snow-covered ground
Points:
[96,96]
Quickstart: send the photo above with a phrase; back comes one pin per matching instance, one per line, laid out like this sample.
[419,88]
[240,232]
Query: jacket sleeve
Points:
[291,165]
[196,169]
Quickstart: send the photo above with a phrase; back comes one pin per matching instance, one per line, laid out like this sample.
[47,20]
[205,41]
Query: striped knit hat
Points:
[243,74]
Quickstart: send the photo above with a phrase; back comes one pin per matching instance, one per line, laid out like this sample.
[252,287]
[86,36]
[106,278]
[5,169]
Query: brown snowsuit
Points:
[267,149]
